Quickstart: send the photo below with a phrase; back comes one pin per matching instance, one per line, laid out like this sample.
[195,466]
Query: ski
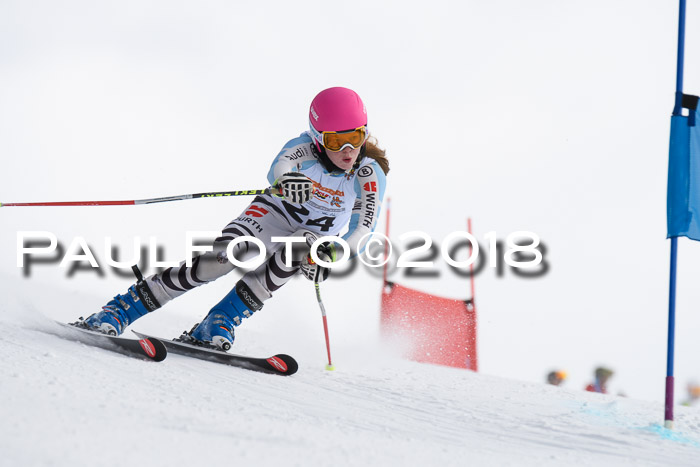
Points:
[280,364]
[148,348]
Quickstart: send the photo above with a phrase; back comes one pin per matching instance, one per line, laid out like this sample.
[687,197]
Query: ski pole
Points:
[214,194]
[330,366]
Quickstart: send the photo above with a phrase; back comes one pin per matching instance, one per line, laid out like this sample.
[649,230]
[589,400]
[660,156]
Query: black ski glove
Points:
[295,187]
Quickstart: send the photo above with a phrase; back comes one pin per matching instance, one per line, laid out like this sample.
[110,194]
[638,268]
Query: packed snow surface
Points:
[65,403]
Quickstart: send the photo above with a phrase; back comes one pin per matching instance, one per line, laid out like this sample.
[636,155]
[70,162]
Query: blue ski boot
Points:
[216,330]
[123,310]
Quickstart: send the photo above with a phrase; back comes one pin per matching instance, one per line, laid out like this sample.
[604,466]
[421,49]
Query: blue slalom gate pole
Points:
[677,110]
[668,406]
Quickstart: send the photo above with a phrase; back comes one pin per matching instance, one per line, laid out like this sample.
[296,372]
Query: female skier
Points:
[327,178]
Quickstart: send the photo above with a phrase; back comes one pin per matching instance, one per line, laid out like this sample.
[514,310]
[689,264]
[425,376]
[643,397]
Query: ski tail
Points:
[149,348]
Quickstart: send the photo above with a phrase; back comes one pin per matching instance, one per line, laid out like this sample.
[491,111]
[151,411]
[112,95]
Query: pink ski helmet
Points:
[336,110]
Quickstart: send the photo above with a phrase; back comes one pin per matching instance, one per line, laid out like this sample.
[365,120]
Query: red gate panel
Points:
[430,329]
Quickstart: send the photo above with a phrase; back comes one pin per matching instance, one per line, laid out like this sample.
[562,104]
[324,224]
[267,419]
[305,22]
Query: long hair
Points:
[375,152]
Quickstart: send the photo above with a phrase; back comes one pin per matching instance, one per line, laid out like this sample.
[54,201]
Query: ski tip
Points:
[283,364]
[154,349]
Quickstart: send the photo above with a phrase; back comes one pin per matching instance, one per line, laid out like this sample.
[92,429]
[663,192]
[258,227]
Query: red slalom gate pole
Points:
[472,299]
[330,366]
[471,266]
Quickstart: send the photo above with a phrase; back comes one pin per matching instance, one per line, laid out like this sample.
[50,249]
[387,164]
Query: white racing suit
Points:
[339,198]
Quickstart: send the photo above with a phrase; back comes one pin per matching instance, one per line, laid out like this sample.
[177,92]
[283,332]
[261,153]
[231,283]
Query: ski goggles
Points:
[337,140]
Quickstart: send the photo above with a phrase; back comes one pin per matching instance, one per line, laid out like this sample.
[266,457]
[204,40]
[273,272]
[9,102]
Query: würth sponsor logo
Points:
[256,211]
[148,347]
[370,186]
[249,220]
[370,204]
[278,364]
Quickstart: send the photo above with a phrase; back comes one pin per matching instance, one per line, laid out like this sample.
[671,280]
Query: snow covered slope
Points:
[64,403]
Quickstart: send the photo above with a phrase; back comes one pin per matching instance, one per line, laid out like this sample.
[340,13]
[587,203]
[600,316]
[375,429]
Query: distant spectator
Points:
[693,395]
[602,375]
[556,377]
